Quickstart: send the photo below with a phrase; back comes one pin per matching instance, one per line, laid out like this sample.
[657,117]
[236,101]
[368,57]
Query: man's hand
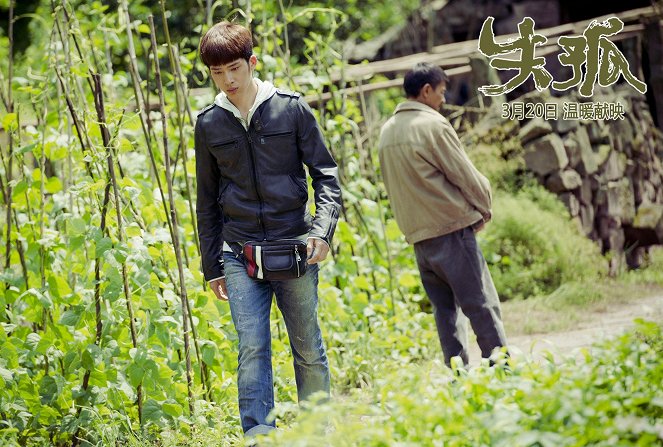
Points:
[479,226]
[219,288]
[316,250]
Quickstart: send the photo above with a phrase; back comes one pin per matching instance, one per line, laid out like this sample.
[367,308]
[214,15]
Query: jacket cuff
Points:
[215,271]
[324,225]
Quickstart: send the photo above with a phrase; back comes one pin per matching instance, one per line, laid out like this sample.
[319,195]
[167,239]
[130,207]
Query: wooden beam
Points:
[449,55]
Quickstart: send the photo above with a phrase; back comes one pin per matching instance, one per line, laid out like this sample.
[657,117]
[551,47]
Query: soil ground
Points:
[593,325]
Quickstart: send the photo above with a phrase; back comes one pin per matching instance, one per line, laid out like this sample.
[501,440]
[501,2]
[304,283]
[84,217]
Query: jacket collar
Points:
[410,105]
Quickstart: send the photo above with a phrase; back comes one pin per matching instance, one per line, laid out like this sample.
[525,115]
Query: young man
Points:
[251,148]
[439,200]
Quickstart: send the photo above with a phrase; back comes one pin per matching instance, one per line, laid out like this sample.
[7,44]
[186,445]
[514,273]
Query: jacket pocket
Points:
[226,152]
[273,135]
[300,187]
[223,193]
[227,144]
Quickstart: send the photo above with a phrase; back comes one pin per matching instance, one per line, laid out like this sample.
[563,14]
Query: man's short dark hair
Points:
[423,73]
[225,42]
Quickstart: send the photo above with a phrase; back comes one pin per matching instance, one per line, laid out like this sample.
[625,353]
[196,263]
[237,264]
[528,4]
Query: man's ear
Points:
[427,89]
[253,61]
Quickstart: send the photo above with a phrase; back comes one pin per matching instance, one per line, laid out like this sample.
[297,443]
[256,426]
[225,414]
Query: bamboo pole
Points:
[9,167]
[105,135]
[173,217]
[145,120]
[174,64]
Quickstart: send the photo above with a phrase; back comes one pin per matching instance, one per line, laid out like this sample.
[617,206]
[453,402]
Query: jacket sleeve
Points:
[449,157]
[322,169]
[208,212]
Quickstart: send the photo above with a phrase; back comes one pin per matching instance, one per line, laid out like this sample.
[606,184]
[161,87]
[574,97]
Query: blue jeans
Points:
[456,278]
[250,305]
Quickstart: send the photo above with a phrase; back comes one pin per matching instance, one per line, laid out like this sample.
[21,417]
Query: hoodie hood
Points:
[265,91]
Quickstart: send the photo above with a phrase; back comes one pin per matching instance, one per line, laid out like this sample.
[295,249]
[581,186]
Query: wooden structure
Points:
[455,58]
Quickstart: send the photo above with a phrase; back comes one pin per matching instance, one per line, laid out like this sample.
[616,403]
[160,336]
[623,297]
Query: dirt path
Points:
[593,326]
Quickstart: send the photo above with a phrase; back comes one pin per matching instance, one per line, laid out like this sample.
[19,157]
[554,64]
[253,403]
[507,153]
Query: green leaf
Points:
[103,245]
[133,230]
[408,280]
[72,316]
[53,185]
[9,355]
[20,188]
[91,356]
[359,302]
[152,411]
[135,374]
[172,409]
[6,375]
[58,153]
[58,286]
[143,29]
[392,230]
[362,283]
[27,148]
[77,226]
[10,122]
[209,351]
[49,389]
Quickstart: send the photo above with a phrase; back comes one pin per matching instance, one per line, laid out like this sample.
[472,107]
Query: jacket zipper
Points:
[255,178]
[255,185]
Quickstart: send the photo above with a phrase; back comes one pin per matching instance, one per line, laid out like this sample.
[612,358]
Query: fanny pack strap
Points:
[236,248]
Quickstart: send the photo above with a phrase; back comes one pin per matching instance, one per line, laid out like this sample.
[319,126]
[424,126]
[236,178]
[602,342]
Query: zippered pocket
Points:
[224,144]
[284,133]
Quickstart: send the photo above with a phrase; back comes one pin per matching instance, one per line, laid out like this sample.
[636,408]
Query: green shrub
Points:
[532,246]
[611,396]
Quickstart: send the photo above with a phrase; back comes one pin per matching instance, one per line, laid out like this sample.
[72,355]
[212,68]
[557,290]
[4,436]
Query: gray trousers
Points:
[456,278]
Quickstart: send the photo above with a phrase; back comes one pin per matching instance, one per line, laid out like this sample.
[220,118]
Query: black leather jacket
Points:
[252,184]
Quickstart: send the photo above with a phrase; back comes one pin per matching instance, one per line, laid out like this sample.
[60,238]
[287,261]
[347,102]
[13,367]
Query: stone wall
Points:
[608,172]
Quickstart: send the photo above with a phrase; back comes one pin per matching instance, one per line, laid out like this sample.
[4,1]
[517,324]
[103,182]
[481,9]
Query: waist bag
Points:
[275,260]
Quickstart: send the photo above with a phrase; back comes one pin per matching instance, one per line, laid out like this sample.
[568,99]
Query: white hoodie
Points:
[265,91]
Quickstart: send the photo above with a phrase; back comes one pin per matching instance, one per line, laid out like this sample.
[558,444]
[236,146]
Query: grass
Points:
[608,397]
[575,301]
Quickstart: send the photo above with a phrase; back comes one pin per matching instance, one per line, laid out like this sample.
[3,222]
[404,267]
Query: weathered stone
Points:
[616,239]
[585,193]
[587,218]
[638,146]
[606,224]
[534,129]
[648,192]
[596,183]
[601,153]
[572,149]
[571,202]
[546,154]
[631,167]
[587,163]
[615,166]
[649,215]
[636,256]
[565,180]
[614,245]
[647,228]
[562,126]
[616,199]
[622,132]
[598,132]
[638,189]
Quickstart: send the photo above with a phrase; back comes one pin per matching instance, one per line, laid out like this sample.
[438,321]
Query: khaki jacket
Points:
[433,187]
